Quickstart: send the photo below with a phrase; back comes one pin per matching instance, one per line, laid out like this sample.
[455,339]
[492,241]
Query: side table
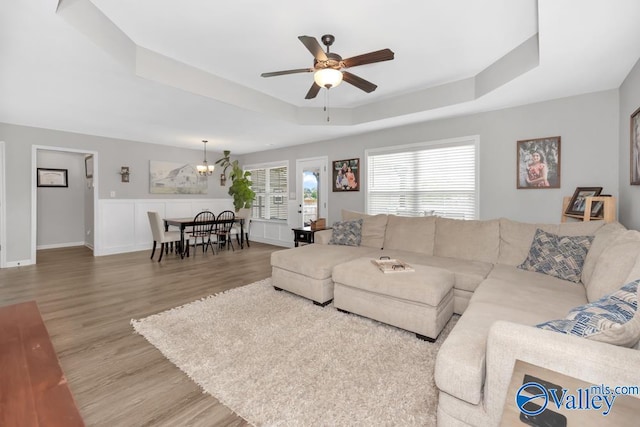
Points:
[304,235]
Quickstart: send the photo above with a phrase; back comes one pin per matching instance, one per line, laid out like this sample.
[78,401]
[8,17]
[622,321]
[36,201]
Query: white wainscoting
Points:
[271,232]
[123,225]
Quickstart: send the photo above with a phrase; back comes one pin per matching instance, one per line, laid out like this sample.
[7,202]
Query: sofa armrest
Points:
[588,360]
[322,236]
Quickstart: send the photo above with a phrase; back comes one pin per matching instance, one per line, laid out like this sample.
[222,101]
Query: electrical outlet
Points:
[112,194]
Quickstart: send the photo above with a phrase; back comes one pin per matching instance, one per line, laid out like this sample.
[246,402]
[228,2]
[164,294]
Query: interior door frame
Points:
[323,163]
[34,194]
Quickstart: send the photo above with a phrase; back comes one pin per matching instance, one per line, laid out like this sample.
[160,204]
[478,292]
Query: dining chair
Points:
[203,224]
[224,222]
[236,229]
[159,235]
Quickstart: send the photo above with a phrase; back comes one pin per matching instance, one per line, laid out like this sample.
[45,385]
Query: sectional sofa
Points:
[500,302]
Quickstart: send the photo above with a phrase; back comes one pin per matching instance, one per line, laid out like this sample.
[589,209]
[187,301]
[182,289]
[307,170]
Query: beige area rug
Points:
[276,359]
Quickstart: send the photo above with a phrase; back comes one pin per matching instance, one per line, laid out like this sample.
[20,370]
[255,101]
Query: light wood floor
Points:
[116,376]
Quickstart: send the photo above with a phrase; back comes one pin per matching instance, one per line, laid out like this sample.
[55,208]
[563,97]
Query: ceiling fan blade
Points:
[313,91]
[369,58]
[314,47]
[282,73]
[358,82]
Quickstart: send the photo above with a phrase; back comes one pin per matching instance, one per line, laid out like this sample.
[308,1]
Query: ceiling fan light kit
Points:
[327,66]
[327,77]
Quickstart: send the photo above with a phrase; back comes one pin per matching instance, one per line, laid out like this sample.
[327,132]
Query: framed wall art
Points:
[175,178]
[346,175]
[635,147]
[577,203]
[538,163]
[53,177]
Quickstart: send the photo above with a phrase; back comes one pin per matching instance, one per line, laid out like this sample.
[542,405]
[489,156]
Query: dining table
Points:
[183,223]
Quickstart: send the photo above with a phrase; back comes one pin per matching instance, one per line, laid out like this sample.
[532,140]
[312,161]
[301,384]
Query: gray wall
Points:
[61,210]
[112,154]
[629,194]
[587,124]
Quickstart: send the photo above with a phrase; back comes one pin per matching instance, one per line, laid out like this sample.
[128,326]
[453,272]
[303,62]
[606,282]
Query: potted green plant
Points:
[240,188]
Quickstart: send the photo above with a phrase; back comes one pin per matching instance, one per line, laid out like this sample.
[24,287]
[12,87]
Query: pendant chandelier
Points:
[205,169]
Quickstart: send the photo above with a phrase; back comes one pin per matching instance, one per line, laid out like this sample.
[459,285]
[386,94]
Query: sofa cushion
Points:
[614,265]
[634,274]
[467,274]
[317,261]
[467,239]
[558,256]
[373,227]
[516,237]
[603,237]
[414,234]
[545,295]
[322,237]
[347,233]
[613,319]
[581,228]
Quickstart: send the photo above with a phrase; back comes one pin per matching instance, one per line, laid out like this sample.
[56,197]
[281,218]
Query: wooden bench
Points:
[33,388]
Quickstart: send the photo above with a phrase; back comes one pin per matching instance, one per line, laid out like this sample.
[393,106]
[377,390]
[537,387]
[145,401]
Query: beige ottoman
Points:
[420,301]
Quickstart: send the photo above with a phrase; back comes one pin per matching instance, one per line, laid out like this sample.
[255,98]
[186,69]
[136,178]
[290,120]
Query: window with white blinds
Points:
[270,186]
[431,178]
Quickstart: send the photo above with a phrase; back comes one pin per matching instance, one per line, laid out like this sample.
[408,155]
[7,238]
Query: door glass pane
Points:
[310,199]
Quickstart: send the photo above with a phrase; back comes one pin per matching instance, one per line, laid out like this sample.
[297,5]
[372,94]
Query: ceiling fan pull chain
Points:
[326,103]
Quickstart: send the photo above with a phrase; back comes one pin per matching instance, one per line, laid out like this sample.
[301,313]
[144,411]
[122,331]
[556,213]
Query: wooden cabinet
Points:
[607,213]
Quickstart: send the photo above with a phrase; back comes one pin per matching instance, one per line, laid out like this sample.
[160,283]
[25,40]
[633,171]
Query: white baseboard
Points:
[272,242]
[19,263]
[60,245]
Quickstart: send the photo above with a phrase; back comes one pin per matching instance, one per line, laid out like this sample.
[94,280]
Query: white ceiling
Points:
[175,73]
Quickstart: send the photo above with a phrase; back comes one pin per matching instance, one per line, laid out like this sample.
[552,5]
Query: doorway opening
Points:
[312,190]
[52,224]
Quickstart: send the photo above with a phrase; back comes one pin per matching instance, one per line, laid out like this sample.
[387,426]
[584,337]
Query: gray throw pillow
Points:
[612,319]
[348,233]
[558,256]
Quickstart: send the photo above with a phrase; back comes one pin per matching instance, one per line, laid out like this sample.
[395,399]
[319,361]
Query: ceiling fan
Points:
[327,66]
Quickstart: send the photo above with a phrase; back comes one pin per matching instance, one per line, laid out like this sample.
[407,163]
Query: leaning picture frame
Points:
[52,177]
[346,175]
[596,209]
[538,163]
[577,203]
[635,148]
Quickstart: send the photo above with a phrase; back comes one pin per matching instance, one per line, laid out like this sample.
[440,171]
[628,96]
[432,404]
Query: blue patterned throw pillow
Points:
[348,233]
[558,256]
[613,318]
